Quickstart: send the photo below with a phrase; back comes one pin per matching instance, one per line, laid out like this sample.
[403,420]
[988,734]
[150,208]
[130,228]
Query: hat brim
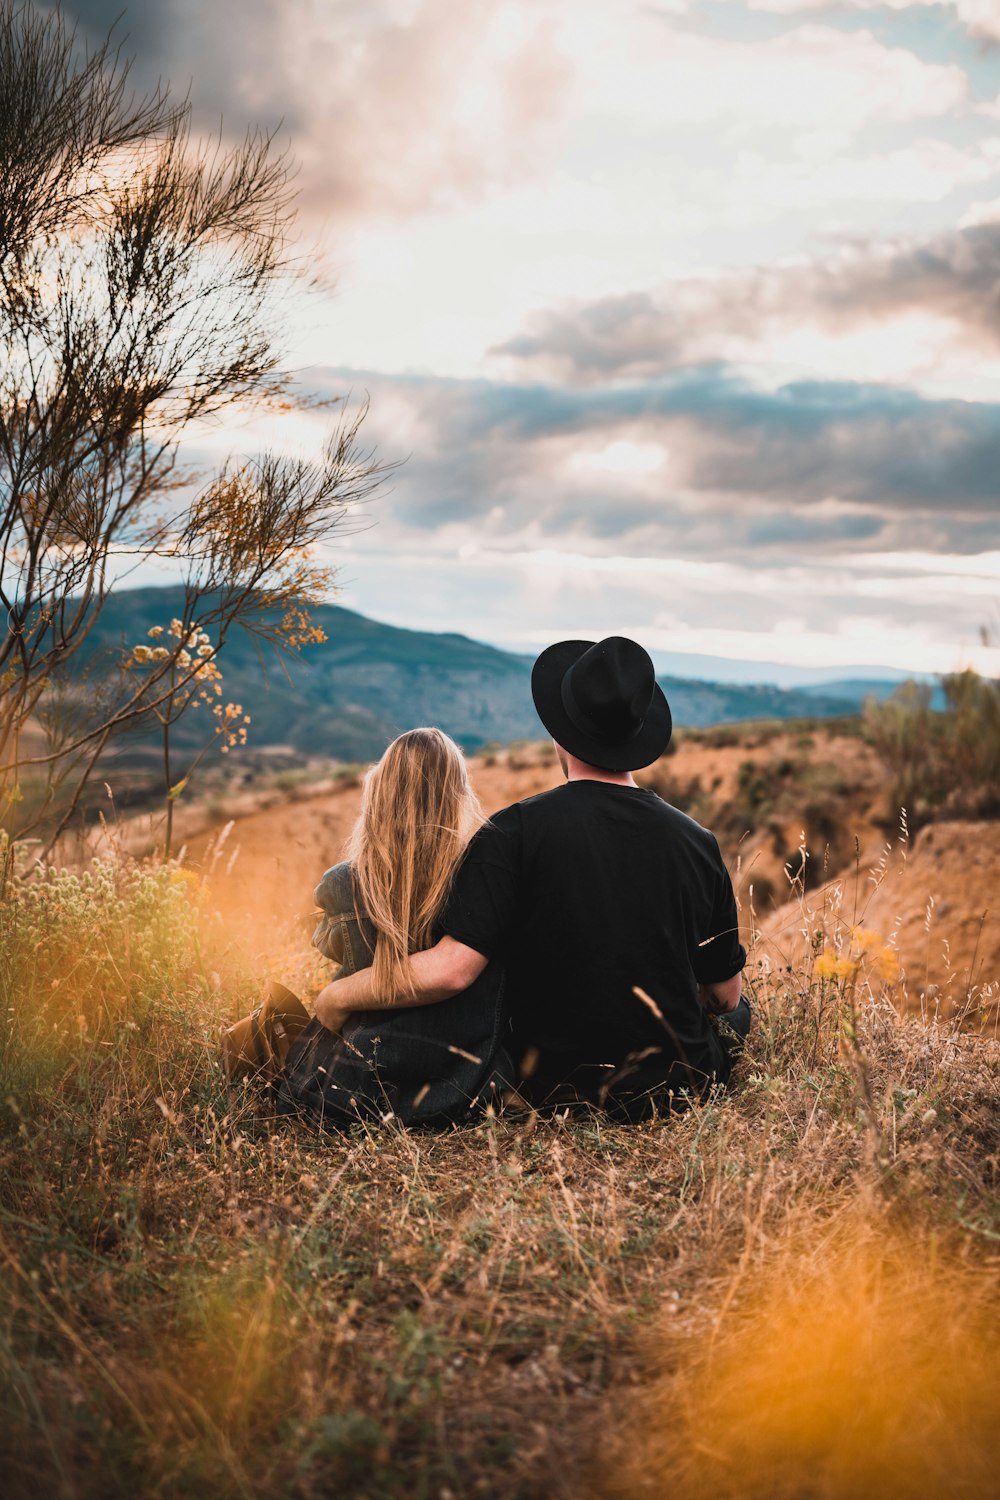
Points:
[631,755]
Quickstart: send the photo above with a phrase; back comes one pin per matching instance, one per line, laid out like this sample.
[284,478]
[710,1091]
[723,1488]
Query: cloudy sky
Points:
[684,314]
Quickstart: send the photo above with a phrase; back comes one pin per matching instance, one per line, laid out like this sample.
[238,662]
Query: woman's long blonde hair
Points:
[418,812]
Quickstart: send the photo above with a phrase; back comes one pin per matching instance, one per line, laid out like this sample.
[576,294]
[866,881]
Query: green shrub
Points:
[944,761]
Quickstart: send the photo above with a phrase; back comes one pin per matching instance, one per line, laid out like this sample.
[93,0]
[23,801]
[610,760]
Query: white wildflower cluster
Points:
[194,640]
[200,680]
[109,917]
[208,672]
[196,650]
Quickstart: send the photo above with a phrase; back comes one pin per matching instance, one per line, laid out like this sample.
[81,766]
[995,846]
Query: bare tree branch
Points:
[141,276]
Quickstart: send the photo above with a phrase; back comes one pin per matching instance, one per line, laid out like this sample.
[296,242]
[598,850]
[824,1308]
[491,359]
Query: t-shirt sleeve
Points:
[719,954]
[482,907]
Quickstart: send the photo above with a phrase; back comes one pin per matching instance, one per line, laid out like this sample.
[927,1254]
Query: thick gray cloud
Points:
[143,28]
[819,465]
[642,334]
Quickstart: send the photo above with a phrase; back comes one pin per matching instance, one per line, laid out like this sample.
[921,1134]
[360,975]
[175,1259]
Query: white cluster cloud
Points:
[809,613]
[980,17]
[395,107]
[811,78]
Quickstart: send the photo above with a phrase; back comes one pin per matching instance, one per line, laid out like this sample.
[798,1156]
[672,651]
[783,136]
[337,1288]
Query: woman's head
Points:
[418,812]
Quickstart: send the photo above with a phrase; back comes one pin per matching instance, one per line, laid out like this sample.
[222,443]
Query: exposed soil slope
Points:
[933,903]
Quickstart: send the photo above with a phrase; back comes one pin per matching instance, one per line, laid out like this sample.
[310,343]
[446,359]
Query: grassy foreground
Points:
[792,1291]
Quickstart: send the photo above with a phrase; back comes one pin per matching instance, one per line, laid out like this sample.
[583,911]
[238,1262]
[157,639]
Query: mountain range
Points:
[347,697]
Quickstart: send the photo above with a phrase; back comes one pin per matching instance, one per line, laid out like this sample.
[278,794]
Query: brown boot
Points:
[257,1046]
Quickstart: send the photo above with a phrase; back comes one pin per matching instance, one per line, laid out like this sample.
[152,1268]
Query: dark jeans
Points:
[424,1065]
[588,1090]
[733,1028]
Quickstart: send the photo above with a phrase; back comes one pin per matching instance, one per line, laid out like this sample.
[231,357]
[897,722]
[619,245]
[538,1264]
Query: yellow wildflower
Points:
[888,964]
[830,966]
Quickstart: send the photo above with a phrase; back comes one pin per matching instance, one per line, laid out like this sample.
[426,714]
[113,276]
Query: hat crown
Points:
[608,691]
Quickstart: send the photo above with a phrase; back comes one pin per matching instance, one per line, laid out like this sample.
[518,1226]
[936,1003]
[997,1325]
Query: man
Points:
[611,912]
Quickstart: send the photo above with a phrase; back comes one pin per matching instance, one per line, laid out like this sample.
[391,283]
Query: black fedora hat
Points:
[600,701]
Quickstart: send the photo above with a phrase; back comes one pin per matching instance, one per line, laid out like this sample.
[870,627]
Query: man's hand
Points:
[436,974]
[719,999]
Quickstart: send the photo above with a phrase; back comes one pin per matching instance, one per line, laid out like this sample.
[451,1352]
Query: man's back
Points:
[584,894]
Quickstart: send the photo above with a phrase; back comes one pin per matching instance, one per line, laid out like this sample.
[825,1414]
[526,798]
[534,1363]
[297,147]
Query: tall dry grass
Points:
[199,1299]
[855,1353]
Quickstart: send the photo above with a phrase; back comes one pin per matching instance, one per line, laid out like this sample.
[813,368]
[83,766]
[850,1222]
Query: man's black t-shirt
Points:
[584,894]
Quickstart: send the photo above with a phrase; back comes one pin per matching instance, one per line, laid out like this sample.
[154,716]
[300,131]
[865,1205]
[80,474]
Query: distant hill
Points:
[856,689]
[686,664]
[347,698]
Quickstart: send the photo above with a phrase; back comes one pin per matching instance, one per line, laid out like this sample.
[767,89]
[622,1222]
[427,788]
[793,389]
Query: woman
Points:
[422,1065]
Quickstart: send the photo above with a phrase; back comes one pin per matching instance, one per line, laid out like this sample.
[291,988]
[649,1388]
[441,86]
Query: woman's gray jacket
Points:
[421,1065]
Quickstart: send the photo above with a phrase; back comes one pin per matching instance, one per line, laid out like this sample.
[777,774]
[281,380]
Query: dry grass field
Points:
[790,1291]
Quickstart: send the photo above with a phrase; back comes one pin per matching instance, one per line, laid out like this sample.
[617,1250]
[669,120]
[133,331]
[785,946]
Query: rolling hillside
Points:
[348,697]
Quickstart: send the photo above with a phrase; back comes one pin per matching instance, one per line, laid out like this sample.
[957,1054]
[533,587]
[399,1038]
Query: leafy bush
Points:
[944,761]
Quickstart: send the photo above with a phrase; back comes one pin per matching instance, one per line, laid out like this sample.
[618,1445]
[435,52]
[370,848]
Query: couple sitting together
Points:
[580,947]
